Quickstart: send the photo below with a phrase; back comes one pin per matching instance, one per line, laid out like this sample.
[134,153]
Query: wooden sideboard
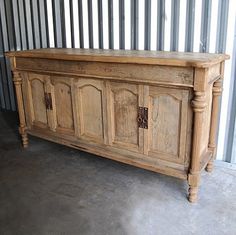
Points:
[155,110]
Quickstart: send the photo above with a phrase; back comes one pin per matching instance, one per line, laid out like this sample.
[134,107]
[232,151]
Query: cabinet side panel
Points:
[206,120]
[165,124]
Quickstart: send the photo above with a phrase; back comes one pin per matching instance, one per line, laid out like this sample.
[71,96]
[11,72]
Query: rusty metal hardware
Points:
[48,101]
[142,117]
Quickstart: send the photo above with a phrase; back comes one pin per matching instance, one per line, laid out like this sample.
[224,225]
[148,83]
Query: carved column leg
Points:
[198,105]
[22,128]
[216,93]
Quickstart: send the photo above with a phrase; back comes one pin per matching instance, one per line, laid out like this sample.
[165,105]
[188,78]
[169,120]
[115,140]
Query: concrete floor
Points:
[52,189]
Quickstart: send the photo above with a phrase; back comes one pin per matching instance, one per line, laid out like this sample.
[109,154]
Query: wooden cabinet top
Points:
[186,59]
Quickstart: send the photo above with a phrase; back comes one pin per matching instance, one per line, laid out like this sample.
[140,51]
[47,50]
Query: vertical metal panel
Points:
[10,25]
[3,74]
[174,36]
[56,23]
[3,95]
[23,32]
[5,83]
[147,29]
[63,23]
[231,153]
[100,24]
[6,70]
[4,25]
[110,24]
[44,32]
[30,39]
[190,16]
[1,40]
[10,85]
[230,137]
[230,145]
[122,24]
[2,98]
[205,26]
[59,23]
[35,18]
[90,23]
[6,80]
[2,92]
[16,24]
[222,23]
[81,29]
[222,26]
[160,24]
[134,24]
[72,24]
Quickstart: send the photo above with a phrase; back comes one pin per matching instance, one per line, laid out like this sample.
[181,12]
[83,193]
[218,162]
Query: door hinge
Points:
[143,117]
[48,101]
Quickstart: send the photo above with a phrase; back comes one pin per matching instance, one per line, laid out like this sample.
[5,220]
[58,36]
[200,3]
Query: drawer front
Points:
[127,72]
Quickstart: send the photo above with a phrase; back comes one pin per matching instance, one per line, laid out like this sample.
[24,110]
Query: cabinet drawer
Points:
[155,74]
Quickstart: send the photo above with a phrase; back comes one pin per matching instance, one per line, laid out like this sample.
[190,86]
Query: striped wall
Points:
[170,25]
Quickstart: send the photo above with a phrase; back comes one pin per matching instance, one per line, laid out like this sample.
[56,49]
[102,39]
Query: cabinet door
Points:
[123,103]
[62,104]
[91,113]
[168,118]
[36,87]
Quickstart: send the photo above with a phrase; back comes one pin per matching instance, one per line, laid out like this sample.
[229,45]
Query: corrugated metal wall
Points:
[175,25]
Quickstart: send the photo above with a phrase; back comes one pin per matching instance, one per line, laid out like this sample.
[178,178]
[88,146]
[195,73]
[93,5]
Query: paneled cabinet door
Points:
[168,122]
[123,103]
[62,95]
[37,86]
[91,115]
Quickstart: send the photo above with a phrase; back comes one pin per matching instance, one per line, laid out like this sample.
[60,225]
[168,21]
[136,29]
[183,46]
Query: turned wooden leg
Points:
[24,137]
[192,197]
[198,105]
[25,140]
[22,128]
[216,93]
[210,166]
[194,182]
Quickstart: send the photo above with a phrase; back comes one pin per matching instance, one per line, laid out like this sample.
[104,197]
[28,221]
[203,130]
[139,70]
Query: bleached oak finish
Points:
[154,110]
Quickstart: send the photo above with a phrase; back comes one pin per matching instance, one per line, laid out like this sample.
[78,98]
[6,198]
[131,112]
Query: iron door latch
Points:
[48,101]
[143,117]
